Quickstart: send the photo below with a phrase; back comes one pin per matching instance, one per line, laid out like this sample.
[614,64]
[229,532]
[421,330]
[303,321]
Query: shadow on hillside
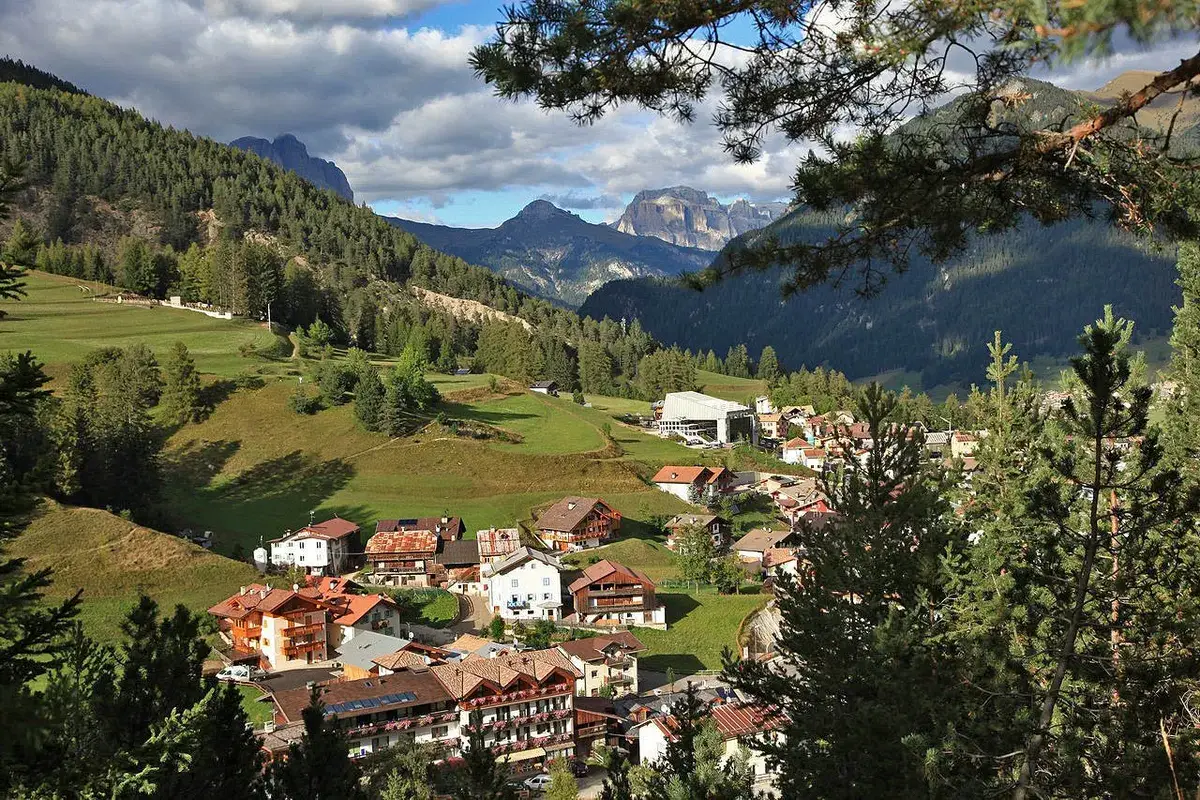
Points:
[196,463]
[217,392]
[364,516]
[640,529]
[678,605]
[295,476]
[484,415]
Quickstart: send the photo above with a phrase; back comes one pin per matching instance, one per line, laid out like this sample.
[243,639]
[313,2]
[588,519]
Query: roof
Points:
[402,659]
[353,607]
[703,520]
[258,598]
[281,739]
[497,541]
[772,417]
[366,646]
[814,452]
[760,540]
[403,541]
[446,527]
[735,720]
[777,556]
[714,404]
[543,384]
[795,444]
[523,554]
[462,678]
[593,648]
[680,475]
[604,569]
[568,513]
[459,553]
[350,698]
[333,528]
[468,643]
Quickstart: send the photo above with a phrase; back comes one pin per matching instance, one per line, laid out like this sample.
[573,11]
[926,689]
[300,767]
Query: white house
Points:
[693,484]
[793,450]
[740,725]
[527,585]
[762,405]
[321,549]
[698,416]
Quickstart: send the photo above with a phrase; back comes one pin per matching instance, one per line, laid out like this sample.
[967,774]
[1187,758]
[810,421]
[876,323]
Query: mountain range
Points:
[556,254]
[688,217]
[1038,285]
[290,153]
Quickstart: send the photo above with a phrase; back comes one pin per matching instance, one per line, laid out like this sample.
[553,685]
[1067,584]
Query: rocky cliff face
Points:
[556,254]
[690,218]
[290,153]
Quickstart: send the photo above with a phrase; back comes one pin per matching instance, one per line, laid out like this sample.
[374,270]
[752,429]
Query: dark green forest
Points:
[1040,285]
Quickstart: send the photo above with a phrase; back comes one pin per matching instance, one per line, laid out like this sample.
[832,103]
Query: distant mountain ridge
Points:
[556,254]
[290,153]
[689,217]
[1038,285]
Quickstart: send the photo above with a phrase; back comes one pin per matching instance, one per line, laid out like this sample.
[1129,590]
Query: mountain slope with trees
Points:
[555,254]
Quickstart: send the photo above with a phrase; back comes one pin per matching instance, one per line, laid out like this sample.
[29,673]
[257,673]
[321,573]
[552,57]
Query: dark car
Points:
[579,768]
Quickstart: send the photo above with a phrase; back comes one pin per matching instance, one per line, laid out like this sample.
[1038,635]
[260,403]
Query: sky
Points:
[382,88]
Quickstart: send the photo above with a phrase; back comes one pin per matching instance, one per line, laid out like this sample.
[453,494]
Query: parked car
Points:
[538,783]
[242,673]
[579,768]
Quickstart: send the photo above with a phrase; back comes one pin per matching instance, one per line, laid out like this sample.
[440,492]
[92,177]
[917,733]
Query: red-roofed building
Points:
[274,627]
[402,557]
[576,523]
[609,593]
[741,725]
[606,660]
[320,549]
[693,484]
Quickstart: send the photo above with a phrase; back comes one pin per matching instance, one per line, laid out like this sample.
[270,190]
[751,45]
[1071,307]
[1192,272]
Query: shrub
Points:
[303,402]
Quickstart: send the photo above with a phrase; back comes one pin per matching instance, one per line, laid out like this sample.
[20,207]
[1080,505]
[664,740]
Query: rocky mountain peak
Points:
[691,218]
[292,154]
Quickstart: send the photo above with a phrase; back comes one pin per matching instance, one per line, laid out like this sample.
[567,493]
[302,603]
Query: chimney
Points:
[571,506]
[295,587]
[269,727]
[242,590]
[445,520]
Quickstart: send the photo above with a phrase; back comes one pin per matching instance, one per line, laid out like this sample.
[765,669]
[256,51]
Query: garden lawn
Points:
[258,708]
[651,557]
[112,560]
[700,624]
[436,608]
[60,323]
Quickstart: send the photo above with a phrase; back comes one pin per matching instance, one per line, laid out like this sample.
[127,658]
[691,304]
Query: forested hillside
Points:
[1039,285]
[120,199]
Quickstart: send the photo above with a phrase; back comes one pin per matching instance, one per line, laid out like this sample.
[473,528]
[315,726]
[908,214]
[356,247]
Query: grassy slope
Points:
[60,323]
[254,467]
[738,390]
[111,560]
[702,624]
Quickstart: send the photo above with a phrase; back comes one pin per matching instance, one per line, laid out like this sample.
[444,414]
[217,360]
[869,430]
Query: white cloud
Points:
[314,11]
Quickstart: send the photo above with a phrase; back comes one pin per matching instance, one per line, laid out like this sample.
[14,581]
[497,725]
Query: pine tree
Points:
[20,250]
[181,396]
[480,777]
[737,362]
[563,785]
[768,365]
[318,767]
[1182,405]
[369,399]
[855,682]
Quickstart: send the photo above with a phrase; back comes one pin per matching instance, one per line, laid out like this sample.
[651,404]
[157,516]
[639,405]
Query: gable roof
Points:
[257,597]
[777,556]
[604,569]
[593,648]
[523,554]
[458,553]
[568,513]
[796,444]
[366,646]
[403,541]
[333,528]
[402,659]
[408,688]
[703,520]
[761,540]
[671,474]
[353,607]
[501,670]
[445,527]
[543,384]
[497,541]
[735,720]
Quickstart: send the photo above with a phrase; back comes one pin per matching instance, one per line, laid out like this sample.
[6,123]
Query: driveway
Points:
[474,615]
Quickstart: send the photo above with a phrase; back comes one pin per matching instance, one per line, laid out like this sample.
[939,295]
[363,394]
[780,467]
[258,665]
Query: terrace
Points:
[524,694]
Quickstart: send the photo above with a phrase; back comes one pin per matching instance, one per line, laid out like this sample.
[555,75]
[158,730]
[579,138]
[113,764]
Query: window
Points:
[441,731]
[318,544]
[300,545]
[546,596]
[529,596]
[515,583]
[595,673]
[546,581]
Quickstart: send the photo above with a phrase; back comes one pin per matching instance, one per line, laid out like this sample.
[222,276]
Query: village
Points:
[547,648]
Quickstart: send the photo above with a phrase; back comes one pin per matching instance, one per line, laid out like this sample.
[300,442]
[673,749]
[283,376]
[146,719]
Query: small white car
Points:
[242,673]
[538,783]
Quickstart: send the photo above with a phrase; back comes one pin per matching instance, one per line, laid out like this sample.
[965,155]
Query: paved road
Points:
[474,614]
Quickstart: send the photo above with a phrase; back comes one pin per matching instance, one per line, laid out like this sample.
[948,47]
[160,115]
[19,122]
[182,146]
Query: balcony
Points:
[296,650]
[516,605]
[516,721]
[374,728]
[617,591]
[297,631]
[516,697]
[544,742]
[618,680]
[400,567]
